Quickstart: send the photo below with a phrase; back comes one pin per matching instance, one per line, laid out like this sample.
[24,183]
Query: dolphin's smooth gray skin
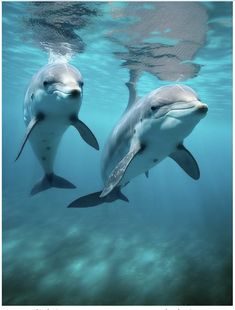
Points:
[52,102]
[150,130]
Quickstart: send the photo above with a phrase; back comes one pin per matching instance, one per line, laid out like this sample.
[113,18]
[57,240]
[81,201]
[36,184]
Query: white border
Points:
[38,307]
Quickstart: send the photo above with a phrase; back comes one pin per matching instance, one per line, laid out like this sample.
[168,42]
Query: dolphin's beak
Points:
[202,108]
[75,93]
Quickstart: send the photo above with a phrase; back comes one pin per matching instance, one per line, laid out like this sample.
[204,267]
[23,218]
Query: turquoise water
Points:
[172,244]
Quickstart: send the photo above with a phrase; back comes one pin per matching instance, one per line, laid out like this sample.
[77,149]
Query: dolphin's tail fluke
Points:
[51,180]
[94,199]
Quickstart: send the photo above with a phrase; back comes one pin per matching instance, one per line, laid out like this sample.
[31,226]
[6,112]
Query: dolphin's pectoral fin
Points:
[85,132]
[51,180]
[119,171]
[146,174]
[186,161]
[34,121]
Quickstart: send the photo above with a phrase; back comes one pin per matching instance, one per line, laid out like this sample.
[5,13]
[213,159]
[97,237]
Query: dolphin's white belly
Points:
[157,143]
[152,155]
[45,140]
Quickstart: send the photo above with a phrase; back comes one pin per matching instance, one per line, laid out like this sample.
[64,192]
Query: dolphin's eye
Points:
[81,83]
[47,83]
[153,107]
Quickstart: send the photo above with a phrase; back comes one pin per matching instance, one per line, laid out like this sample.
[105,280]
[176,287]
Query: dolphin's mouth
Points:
[63,94]
[198,109]
[182,106]
[201,107]
[166,110]
[60,93]
[181,109]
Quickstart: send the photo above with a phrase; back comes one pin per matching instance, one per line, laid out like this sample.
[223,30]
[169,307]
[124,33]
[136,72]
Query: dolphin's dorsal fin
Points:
[132,94]
[34,121]
[119,171]
[85,132]
[131,85]
[186,161]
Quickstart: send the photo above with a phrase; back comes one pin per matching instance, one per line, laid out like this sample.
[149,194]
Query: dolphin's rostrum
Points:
[151,129]
[52,102]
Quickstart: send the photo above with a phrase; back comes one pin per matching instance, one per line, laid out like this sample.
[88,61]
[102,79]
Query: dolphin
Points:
[52,102]
[150,130]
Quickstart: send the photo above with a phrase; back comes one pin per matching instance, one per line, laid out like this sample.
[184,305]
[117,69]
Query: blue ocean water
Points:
[172,244]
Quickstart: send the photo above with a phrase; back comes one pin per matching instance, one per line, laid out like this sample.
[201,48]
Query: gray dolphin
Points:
[151,129]
[52,102]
